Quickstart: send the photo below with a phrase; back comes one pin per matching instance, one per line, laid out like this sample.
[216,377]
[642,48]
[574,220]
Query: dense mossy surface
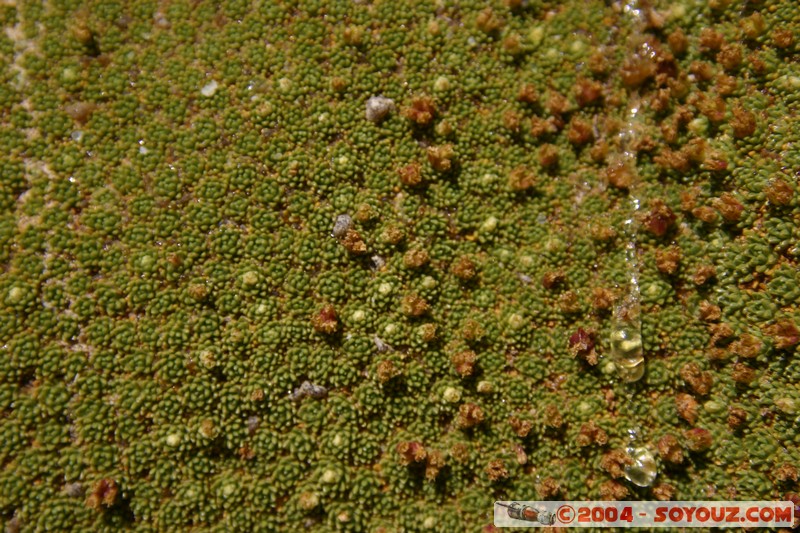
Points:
[232,299]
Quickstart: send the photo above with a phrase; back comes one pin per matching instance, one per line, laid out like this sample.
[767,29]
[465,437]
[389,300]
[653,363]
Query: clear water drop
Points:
[643,471]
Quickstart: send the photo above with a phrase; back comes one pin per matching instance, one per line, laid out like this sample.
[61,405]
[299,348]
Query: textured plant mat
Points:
[371,266]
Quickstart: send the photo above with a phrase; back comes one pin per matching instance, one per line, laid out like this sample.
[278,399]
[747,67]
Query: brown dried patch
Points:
[782,38]
[580,131]
[668,260]
[421,111]
[487,21]
[784,334]
[620,175]
[660,219]
[730,56]
[613,491]
[104,493]
[413,305]
[602,299]
[737,418]
[353,242]
[411,452]
[700,382]
[705,213]
[557,103]
[779,192]
[416,258]
[670,449]
[528,94]
[709,312]
[496,470]
[464,362]
[463,268]
[711,39]
[325,321]
[743,374]
[729,207]
[581,345]
[687,407]
[588,92]
[663,492]
[678,42]
[743,123]
[552,280]
[521,179]
[614,462]
[469,416]
[410,175]
[698,439]
[590,433]
[441,157]
[548,488]
[746,346]
[512,121]
[552,417]
[548,155]
[520,427]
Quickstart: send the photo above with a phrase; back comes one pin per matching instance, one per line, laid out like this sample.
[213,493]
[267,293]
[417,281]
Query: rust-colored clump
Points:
[411,452]
[441,157]
[548,488]
[687,407]
[743,374]
[636,70]
[698,439]
[709,312]
[413,305]
[678,42]
[496,470]
[512,121]
[552,280]
[746,346]
[325,321]
[541,127]
[705,214]
[620,175]
[579,131]
[782,38]
[602,298]
[487,21]
[711,40]
[464,362]
[669,448]
[721,334]
[104,494]
[614,462]
[463,268]
[528,94]
[410,175]
[737,418]
[784,334]
[590,433]
[660,219]
[548,155]
[779,192]
[588,92]
[353,242]
[730,56]
[668,260]
[743,123]
[613,491]
[521,179]
[553,417]
[520,427]
[557,104]
[663,492]
[386,371]
[699,381]
[581,345]
[421,111]
[416,258]
[469,415]
[729,207]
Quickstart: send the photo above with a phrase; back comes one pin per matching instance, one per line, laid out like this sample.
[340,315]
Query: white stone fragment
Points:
[378,107]
[209,88]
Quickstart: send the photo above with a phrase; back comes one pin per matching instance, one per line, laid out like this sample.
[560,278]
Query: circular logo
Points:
[565,514]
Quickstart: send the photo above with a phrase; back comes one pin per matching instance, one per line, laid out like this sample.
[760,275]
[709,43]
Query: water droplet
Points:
[643,471]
